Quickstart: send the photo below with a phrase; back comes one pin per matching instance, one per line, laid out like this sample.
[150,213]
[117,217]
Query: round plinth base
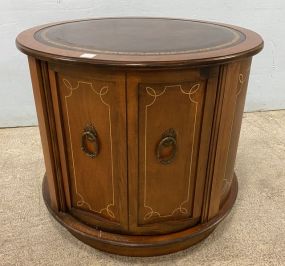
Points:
[131,245]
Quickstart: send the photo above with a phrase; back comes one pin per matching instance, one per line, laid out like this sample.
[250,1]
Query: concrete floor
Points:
[253,233]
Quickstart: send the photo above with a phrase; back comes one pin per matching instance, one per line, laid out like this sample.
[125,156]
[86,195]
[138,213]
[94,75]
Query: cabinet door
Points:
[91,125]
[169,124]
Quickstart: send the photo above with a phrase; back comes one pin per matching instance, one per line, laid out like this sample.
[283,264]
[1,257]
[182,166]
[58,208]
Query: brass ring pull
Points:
[90,135]
[167,147]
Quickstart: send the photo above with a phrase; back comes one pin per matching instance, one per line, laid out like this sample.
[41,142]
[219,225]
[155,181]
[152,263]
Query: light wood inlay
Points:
[103,91]
[139,121]
[181,208]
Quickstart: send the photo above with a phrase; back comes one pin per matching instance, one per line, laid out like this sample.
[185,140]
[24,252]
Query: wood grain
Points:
[45,129]
[140,149]
[177,182]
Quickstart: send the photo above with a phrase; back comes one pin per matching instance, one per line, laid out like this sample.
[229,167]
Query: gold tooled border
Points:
[42,35]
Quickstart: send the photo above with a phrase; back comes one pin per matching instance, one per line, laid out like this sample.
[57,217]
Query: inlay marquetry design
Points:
[155,95]
[101,93]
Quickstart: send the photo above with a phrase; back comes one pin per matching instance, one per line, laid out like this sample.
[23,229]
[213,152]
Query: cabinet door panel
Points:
[94,131]
[169,123]
[162,108]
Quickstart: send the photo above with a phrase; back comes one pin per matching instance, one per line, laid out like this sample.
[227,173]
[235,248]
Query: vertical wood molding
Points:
[132,151]
[60,137]
[221,137]
[208,113]
[213,143]
[53,135]
[38,83]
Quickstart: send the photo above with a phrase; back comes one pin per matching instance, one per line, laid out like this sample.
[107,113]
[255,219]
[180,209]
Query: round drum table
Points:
[139,121]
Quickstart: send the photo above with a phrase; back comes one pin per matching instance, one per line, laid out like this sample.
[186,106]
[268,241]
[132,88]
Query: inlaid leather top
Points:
[139,42]
[139,36]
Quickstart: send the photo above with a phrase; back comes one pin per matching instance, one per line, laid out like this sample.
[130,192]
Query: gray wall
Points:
[266,91]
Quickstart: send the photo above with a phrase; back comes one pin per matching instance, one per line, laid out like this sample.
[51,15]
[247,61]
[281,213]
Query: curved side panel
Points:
[241,89]
[45,114]
[225,133]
